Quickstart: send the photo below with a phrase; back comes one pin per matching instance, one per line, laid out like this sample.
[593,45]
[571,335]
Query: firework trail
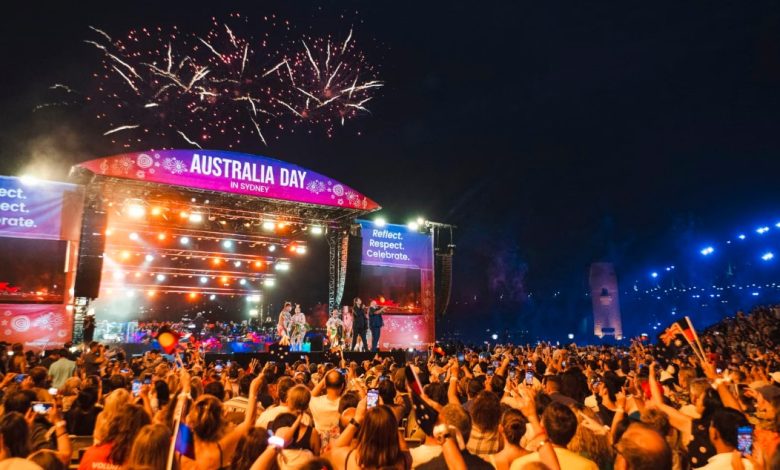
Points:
[157,86]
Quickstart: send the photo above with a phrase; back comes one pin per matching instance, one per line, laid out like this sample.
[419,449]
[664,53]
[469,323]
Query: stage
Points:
[243,359]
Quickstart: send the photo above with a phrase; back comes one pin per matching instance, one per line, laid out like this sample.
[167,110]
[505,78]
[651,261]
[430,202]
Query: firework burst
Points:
[167,87]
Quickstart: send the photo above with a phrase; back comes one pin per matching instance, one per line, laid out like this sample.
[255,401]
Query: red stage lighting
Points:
[156,211]
[217,261]
[192,295]
[258,264]
[161,236]
[224,279]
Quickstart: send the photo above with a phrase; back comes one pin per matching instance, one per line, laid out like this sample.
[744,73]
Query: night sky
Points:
[551,133]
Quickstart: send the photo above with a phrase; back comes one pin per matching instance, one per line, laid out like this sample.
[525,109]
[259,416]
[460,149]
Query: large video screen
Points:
[33,271]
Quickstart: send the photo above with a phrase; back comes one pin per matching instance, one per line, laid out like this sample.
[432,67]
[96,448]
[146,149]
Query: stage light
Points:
[204,279]
[281,225]
[253,298]
[777,225]
[161,277]
[134,236]
[125,255]
[707,251]
[258,264]
[380,222]
[192,295]
[149,258]
[109,232]
[762,230]
[227,244]
[253,312]
[571,335]
[237,264]
[161,236]
[196,218]
[212,297]
[242,282]
[136,211]
[767,256]
[271,248]
[216,261]
[301,250]
[420,221]
[755,294]
[269,225]
[316,230]
[282,266]
[269,282]
[414,226]
[156,211]
[131,293]
[119,274]
[29,180]
[654,274]
[184,241]
[224,279]
[137,275]
[494,336]
[184,214]
[741,237]
[151,293]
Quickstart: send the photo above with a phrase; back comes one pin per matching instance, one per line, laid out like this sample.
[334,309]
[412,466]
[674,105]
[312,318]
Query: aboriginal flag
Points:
[678,328]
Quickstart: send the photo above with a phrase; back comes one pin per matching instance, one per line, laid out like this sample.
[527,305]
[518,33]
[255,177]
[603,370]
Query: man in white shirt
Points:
[724,432]
[61,370]
[325,408]
[283,386]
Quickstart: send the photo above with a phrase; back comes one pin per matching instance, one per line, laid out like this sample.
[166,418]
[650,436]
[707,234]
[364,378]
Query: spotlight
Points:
[149,258]
[196,218]
[271,248]
[571,335]
[216,261]
[253,298]
[125,255]
[258,264]
[227,244]
[161,277]
[282,266]
[253,312]
[269,282]
[184,214]
[420,221]
[413,225]
[762,230]
[151,293]
[301,250]
[237,264]
[777,225]
[134,236]
[161,236]
[242,282]
[707,251]
[131,293]
[156,211]
[212,297]
[224,279]
[184,241]
[109,232]
[316,230]
[380,222]
[741,237]
[192,295]
[204,279]
[654,274]
[269,225]
[136,211]
[494,336]
[767,256]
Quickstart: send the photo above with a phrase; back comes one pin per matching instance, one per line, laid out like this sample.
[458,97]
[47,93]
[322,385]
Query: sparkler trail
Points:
[222,86]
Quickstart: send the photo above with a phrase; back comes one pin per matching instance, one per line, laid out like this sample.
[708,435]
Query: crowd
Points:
[510,407]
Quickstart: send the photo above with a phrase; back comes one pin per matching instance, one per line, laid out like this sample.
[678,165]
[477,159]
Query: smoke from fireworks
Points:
[179,88]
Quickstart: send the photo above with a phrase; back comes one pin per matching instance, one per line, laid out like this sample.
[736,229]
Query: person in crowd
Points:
[723,429]
[112,405]
[457,423]
[512,429]
[150,448]
[82,416]
[347,320]
[283,385]
[18,363]
[484,437]
[94,359]
[249,449]
[61,369]
[325,406]
[47,460]
[112,453]
[14,442]
[641,448]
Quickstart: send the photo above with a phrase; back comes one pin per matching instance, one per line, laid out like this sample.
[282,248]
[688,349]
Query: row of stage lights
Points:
[257,264]
[152,293]
[137,210]
[226,244]
[414,225]
[119,275]
[709,250]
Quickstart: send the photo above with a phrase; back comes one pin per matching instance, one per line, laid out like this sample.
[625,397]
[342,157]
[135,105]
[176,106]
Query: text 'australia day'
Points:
[247,175]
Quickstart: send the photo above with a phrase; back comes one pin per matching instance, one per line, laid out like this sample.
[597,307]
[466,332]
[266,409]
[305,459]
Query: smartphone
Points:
[563,363]
[218,368]
[372,398]
[496,364]
[490,372]
[529,364]
[124,371]
[512,374]
[52,391]
[529,377]
[20,378]
[745,440]
[136,387]
[42,407]
[460,357]
[276,441]
[719,370]
[147,380]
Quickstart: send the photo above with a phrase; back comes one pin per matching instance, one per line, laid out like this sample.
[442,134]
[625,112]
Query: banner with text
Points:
[33,209]
[231,172]
[34,325]
[395,246]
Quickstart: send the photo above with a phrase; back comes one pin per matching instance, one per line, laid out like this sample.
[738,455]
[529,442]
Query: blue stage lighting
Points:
[762,230]
[654,274]
[707,251]
[767,256]
[741,237]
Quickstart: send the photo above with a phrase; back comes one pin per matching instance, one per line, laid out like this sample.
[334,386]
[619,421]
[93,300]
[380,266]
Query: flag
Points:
[438,350]
[678,328]
[168,339]
[185,442]
[424,415]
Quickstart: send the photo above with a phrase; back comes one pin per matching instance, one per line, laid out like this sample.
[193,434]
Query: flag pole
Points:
[696,337]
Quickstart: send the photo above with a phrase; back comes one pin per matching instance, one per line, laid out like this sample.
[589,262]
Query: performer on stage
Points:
[375,322]
[346,319]
[299,327]
[334,326]
[284,325]
[359,324]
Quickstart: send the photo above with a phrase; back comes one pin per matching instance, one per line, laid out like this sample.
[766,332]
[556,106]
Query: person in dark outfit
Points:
[375,322]
[359,323]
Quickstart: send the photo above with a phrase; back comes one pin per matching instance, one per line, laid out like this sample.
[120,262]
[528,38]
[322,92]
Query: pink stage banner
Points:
[231,172]
[37,326]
